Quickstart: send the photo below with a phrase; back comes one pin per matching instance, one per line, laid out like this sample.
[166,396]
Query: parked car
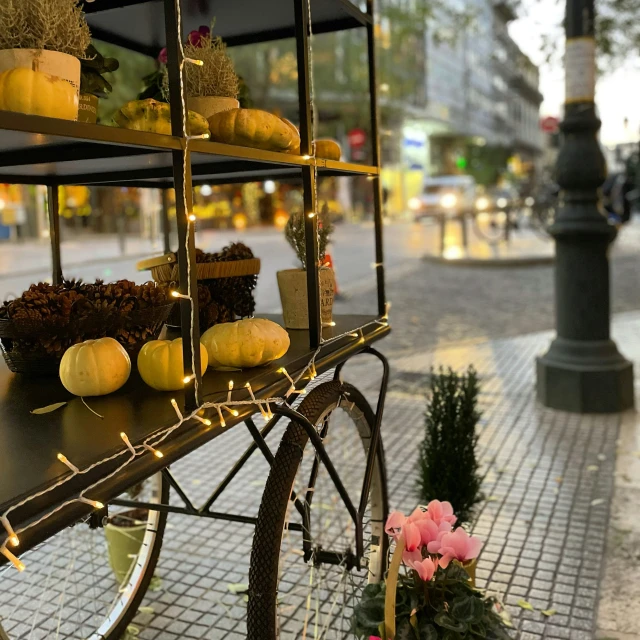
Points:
[444,195]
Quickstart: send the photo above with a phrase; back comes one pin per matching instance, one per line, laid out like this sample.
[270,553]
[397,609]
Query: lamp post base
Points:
[585,377]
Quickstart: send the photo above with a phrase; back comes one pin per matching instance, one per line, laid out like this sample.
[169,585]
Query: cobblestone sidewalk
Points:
[548,479]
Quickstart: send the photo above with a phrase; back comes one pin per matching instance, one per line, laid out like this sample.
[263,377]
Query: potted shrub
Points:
[93,85]
[41,42]
[429,591]
[213,86]
[447,465]
[292,283]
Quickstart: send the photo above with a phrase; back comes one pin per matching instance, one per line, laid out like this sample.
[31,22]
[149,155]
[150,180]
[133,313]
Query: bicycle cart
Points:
[68,476]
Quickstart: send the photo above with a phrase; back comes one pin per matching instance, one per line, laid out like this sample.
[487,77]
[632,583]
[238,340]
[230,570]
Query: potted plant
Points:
[292,283]
[447,465]
[213,86]
[41,42]
[93,85]
[125,534]
[429,591]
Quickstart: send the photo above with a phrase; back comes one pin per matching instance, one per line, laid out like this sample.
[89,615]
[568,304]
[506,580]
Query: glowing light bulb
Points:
[16,562]
[66,462]
[192,218]
[96,504]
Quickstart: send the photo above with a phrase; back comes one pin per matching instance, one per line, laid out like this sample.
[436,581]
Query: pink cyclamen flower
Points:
[431,533]
[375,638]
[195,37]
[424,567]
[441,512]
[458,545]
[398,526]
[163,57]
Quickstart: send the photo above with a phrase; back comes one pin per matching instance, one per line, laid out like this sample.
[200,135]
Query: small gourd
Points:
[253,128]
[37,93]
[245,343]
[95,367]
[161,365]
[155,117]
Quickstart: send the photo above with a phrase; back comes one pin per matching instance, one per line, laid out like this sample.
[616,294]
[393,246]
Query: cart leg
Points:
[53,207]
[164,213]
[443,227]
[463,229]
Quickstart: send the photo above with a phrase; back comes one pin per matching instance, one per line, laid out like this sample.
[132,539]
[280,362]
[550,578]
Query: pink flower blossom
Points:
[375,638]
[163,57]
[398,526]
[458,545]
[429,530]
[424,567]
[195,37]
[441,512]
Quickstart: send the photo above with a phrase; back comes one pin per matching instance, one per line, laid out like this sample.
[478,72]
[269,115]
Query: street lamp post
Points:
[582,371]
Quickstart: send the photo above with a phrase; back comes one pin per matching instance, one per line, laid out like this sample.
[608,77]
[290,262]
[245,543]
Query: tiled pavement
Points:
[548,479]
[548,482]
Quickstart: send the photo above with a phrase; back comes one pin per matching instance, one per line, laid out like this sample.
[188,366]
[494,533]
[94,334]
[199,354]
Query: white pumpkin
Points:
[245,343]
[161,365]
[95,367]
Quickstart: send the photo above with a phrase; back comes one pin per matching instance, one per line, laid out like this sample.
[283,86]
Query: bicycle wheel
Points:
[293,597]
[87,581]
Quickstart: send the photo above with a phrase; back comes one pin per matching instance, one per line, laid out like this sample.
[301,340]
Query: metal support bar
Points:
[259,440]
[301,11]
[53,207]
[214,515]
[375,137]
[374,444]
[184,205]
[316,441]
[164,216]
[179,490]
[239,464]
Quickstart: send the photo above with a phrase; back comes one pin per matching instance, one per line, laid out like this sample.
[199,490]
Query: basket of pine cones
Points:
[39,326]
[226,281]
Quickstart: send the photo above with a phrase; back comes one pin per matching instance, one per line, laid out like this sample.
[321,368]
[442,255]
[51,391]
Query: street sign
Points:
[550,124]
[357,138]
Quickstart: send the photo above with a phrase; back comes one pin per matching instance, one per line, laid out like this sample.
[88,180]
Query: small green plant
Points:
[54,25]
[294,233]
[448,468]
[91,69]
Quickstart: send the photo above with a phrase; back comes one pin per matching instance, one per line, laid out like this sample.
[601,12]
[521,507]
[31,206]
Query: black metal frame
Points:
[91,141]
[303,505]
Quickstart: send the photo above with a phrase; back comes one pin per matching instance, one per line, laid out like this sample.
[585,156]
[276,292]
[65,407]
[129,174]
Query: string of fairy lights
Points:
[150,446]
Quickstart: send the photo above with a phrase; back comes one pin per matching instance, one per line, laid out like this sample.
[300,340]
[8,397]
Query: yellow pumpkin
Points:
[161,365]
[253,128]
[155,117]
[37,93]
[95,367]
[245,343]
[325,148]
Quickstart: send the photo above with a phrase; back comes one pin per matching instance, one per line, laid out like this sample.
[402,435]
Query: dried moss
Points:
[216,77]
[54,25]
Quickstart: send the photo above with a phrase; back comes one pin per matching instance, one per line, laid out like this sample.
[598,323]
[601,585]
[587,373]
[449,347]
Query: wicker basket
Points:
[22,342]
[165,268]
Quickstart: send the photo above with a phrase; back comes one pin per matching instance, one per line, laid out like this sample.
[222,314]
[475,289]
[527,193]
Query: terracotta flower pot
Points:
[208,106]
[292,284]
[124,541]
[88,108]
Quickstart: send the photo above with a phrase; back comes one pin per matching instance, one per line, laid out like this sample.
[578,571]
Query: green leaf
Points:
[237,588]
[404,630]
[444,620]
[467,609]
[523,604]
[549,612]
[48,409]
[426,630]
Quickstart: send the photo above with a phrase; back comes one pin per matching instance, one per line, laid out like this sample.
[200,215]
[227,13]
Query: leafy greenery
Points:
[91,69]
[294,233]
[447,465]
[446,607]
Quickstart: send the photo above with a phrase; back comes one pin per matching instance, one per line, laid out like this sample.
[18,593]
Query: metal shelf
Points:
[36,150]
[139,24]
[29,443]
